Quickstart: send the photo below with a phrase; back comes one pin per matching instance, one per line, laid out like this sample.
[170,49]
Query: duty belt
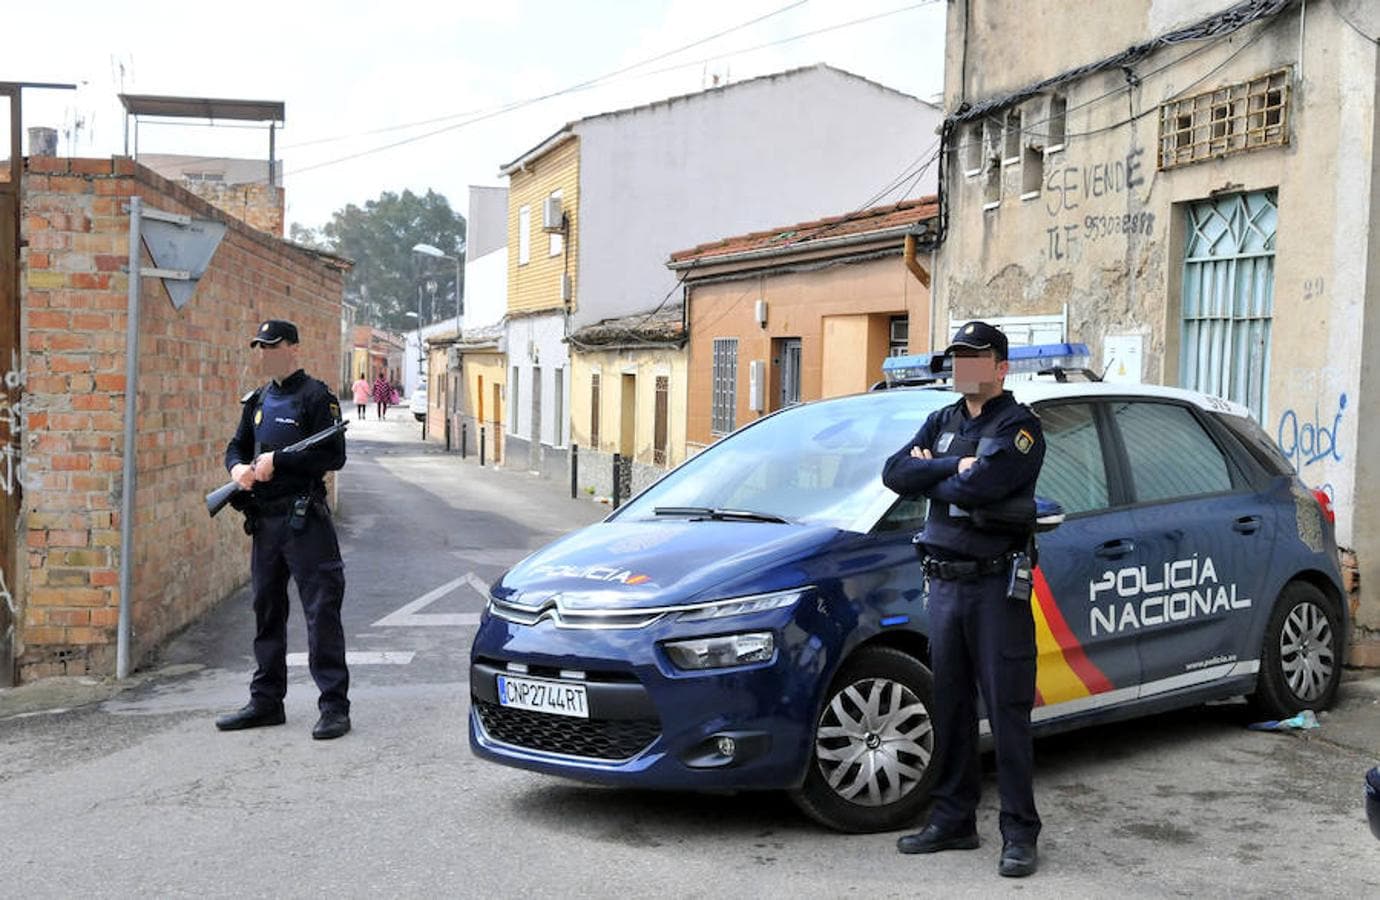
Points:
[956,569]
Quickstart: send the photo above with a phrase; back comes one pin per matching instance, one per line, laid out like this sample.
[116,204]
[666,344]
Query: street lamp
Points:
[437,253]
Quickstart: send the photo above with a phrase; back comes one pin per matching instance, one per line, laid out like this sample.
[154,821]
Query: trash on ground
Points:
[1303,720]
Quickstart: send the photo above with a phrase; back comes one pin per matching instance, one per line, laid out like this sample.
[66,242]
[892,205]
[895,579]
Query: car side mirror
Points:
[1049,514]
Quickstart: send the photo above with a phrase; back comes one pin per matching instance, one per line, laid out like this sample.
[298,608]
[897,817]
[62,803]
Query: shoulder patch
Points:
[250,396]
[1024,440]
[335,410]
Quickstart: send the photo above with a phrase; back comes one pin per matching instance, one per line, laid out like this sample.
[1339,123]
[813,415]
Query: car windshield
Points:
[820,463]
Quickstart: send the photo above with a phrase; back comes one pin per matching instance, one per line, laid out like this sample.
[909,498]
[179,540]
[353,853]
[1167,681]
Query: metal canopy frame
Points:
[212,109]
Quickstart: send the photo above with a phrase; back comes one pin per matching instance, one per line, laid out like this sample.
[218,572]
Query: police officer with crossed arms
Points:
[284,501]
[971,458]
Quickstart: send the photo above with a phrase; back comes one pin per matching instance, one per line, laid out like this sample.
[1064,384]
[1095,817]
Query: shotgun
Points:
[217,499]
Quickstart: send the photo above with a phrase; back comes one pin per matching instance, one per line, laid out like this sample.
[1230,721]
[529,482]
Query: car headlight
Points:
[741,606]
[722,651]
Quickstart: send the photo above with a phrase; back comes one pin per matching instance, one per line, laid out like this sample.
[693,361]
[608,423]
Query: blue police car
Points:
[756,619]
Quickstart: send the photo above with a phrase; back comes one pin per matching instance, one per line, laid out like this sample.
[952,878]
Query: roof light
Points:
[1026,363]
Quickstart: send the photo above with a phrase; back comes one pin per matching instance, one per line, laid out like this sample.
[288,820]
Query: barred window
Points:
[594,411]
[1236,118]
[725,392]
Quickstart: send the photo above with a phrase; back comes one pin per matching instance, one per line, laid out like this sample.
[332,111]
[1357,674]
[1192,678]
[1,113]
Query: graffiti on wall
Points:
[1313,440]
[13,468]
[1070,189]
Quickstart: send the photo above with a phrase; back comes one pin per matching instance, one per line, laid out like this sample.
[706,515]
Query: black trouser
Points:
[312,558]
[359,410]
[979,637]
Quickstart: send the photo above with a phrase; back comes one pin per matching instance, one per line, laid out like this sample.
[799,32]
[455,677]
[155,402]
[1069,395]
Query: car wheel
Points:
[1301,662]
[873,742]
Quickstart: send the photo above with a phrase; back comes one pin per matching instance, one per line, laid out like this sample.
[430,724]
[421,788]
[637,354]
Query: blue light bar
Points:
[926,368]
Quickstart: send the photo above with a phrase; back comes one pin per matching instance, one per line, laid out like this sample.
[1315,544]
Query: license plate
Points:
[560,698]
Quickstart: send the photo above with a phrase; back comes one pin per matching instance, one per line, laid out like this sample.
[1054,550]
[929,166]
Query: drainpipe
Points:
[131,408]
[913,263]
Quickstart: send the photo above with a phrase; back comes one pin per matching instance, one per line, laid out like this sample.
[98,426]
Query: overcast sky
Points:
[348,68]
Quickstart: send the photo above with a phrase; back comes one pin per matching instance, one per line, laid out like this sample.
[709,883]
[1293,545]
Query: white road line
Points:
[363,658]
[408,615]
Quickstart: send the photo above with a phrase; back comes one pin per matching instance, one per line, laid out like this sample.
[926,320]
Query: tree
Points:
[387,276]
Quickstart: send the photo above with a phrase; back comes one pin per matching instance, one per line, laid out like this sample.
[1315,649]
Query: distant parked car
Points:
[418,404]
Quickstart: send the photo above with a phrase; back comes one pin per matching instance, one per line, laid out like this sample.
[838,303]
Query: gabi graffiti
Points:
[1305,443]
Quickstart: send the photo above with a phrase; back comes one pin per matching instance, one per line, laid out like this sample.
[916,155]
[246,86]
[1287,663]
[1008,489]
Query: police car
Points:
[756,619]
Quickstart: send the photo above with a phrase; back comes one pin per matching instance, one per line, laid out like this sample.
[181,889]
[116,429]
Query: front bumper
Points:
[650,724]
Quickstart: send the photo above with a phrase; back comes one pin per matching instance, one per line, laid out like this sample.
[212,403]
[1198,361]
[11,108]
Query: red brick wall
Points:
[193,366]
[258,205]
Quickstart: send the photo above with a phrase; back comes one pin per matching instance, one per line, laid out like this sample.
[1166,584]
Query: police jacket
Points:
[282,413]
[1009,446]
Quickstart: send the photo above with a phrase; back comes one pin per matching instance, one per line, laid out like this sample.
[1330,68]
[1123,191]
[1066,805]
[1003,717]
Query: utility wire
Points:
[518,104]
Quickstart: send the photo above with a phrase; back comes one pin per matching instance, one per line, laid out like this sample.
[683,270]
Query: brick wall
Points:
[258,205]
[193,366]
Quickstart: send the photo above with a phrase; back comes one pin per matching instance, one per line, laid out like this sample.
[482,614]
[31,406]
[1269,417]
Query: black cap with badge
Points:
[977,335]
[274,332]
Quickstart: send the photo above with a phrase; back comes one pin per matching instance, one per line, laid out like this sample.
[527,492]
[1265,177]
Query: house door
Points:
[790,372]
[497,429]
[627,425]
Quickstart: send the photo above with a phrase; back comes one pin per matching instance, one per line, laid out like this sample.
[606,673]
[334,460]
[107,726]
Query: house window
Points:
[513,395]
[1011,146]
[724,406]
[1032,172]
[1056,128]
[594,411]
[556,239]
[973,158]
[899,343]
[659,420]
[524,235]
[991,188]
[1236,118]
[1228,298]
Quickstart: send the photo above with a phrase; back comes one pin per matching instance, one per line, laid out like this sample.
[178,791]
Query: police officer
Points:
[284,504]
[979,455]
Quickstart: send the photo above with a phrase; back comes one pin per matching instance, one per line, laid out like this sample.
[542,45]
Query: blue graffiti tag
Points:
[1310,442]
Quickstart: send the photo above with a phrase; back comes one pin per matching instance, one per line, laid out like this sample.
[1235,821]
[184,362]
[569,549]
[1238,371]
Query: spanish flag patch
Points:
[1024,441]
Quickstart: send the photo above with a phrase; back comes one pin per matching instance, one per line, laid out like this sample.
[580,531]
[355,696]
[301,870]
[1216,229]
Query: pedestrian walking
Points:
[285,509]
[982,452]
[383,393]
[361,391]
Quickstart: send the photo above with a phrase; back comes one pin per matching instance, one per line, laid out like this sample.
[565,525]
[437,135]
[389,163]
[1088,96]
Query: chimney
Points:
[42,141]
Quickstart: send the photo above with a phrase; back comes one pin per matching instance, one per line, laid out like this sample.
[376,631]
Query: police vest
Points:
[949,530]
[278,423]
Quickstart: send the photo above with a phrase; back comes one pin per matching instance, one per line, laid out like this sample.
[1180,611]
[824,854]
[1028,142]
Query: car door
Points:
[1207,537]
[1081,666]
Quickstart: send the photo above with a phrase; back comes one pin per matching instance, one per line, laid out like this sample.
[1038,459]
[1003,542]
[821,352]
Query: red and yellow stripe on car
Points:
[1064,671]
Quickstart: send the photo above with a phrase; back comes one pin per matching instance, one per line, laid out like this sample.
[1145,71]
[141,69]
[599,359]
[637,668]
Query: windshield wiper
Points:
[719,515]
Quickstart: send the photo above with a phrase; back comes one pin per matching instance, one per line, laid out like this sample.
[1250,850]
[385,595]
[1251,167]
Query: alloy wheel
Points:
[1305,651]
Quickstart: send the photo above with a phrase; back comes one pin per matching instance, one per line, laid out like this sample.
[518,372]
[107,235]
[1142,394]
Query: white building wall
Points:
[798,146]
[537,341]
[486,289]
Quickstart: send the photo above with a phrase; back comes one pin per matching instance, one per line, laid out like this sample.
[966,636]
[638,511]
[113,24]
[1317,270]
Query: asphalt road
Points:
[107,792]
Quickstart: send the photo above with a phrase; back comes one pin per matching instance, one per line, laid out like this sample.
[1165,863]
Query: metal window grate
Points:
[660,420]
[1236,118]
[725,392]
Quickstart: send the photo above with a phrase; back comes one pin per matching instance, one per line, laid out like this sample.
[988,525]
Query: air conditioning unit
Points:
[757,385]
[552,216]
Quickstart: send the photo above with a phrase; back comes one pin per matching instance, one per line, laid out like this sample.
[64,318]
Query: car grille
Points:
[594,738]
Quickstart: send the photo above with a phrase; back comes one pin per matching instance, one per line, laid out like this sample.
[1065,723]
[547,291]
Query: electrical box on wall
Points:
[757,385]
[760,311]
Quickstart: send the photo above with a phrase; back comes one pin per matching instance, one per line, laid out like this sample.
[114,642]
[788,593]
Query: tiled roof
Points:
[876,219]
[660,326]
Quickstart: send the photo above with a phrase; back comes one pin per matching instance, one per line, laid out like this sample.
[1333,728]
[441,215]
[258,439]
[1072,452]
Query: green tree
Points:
[379,237]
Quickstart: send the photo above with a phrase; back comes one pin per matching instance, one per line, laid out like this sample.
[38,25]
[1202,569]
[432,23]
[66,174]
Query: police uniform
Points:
[978,634]
[293,537]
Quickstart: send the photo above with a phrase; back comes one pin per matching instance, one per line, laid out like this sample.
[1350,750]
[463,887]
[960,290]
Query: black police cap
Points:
[274,332]
[977,335]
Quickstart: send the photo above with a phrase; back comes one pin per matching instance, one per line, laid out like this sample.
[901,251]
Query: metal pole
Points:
[617,467]
[272,134]
[131,410]
[464,439]
[481,445]
[574,470]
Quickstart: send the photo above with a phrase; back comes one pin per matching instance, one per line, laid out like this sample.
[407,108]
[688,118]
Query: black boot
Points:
[1018,859]
[251,716]
[932,839]
[331,725]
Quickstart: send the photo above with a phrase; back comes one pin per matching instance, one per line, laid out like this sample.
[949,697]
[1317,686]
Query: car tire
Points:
[1301,661]
[875,761]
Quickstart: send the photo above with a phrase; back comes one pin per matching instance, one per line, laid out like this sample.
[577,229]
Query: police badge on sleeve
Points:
[1024,441]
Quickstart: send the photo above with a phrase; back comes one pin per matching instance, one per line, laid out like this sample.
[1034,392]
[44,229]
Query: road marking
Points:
[363,658]
[408,615]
